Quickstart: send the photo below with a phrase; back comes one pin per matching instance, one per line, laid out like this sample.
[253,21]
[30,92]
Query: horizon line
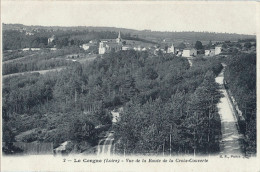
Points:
[252,34]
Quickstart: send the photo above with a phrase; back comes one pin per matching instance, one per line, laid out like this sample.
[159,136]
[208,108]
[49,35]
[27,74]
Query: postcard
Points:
[129,86]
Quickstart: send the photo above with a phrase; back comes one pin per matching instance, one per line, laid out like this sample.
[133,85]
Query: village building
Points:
[126,47]
[156,51]
[207,52]
[163,50]
[85,46]
[31,49]
[51,39]
[102,47]
[106,46]
[35,49]
[29,33]
[144,49]
[171,49]
[93,41]
[53,49]
[138,48]
[189,52]
[89,45]
[210,52]
[179,53]
[218,50]
[25,49]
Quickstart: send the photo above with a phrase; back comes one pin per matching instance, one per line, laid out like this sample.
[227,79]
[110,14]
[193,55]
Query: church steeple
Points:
[118,39]
[119,35]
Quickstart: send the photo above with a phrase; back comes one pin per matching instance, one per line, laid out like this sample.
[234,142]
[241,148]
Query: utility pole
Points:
[163,147]
[171,141]
[124,151]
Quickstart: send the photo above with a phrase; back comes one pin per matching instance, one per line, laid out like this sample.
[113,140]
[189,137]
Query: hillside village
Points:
[108,45]
[49,38]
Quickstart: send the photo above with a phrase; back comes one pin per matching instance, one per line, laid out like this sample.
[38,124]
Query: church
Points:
[108,45]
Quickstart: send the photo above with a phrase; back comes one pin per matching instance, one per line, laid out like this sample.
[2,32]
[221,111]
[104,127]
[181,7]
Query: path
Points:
[38,71]
[230,137]
[106,146]
[18,59]
[190,61]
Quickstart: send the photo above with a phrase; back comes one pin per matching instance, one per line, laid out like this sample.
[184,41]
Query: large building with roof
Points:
[107,45]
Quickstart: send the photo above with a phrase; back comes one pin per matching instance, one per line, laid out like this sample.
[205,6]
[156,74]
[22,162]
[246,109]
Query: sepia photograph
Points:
[168,82]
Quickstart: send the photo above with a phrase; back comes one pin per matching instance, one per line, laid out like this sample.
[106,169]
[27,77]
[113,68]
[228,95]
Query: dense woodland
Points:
[241,80]
[159,94]
[176,103]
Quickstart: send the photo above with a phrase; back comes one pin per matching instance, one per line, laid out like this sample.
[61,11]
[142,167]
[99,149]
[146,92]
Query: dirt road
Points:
[230,144]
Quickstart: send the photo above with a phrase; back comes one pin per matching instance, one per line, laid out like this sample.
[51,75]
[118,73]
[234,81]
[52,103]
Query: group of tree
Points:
[15,39]
[162,97]
[180,114]
[240,75]
[40,60]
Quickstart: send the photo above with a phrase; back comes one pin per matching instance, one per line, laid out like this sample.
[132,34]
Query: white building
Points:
[163,50]
[25,49]
[189,52]
[85,46]
[51,39]
[171,49]
[102,47]
[88,45]
[210,52]
[29,33]
[218,50]
[35,49]
[179,53]
[207,52]
[139,48]
[126,47]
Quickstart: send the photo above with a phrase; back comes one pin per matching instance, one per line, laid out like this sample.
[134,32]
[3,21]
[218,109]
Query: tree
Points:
[181,46]
[82,130]
[198,45]
[210,44]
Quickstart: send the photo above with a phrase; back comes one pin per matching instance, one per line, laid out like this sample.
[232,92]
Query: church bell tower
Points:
[118,39]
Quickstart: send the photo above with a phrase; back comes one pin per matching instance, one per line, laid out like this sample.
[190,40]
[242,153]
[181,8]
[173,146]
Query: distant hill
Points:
[155,36]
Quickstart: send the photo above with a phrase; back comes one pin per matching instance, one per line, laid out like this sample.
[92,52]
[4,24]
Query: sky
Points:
[230,17]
